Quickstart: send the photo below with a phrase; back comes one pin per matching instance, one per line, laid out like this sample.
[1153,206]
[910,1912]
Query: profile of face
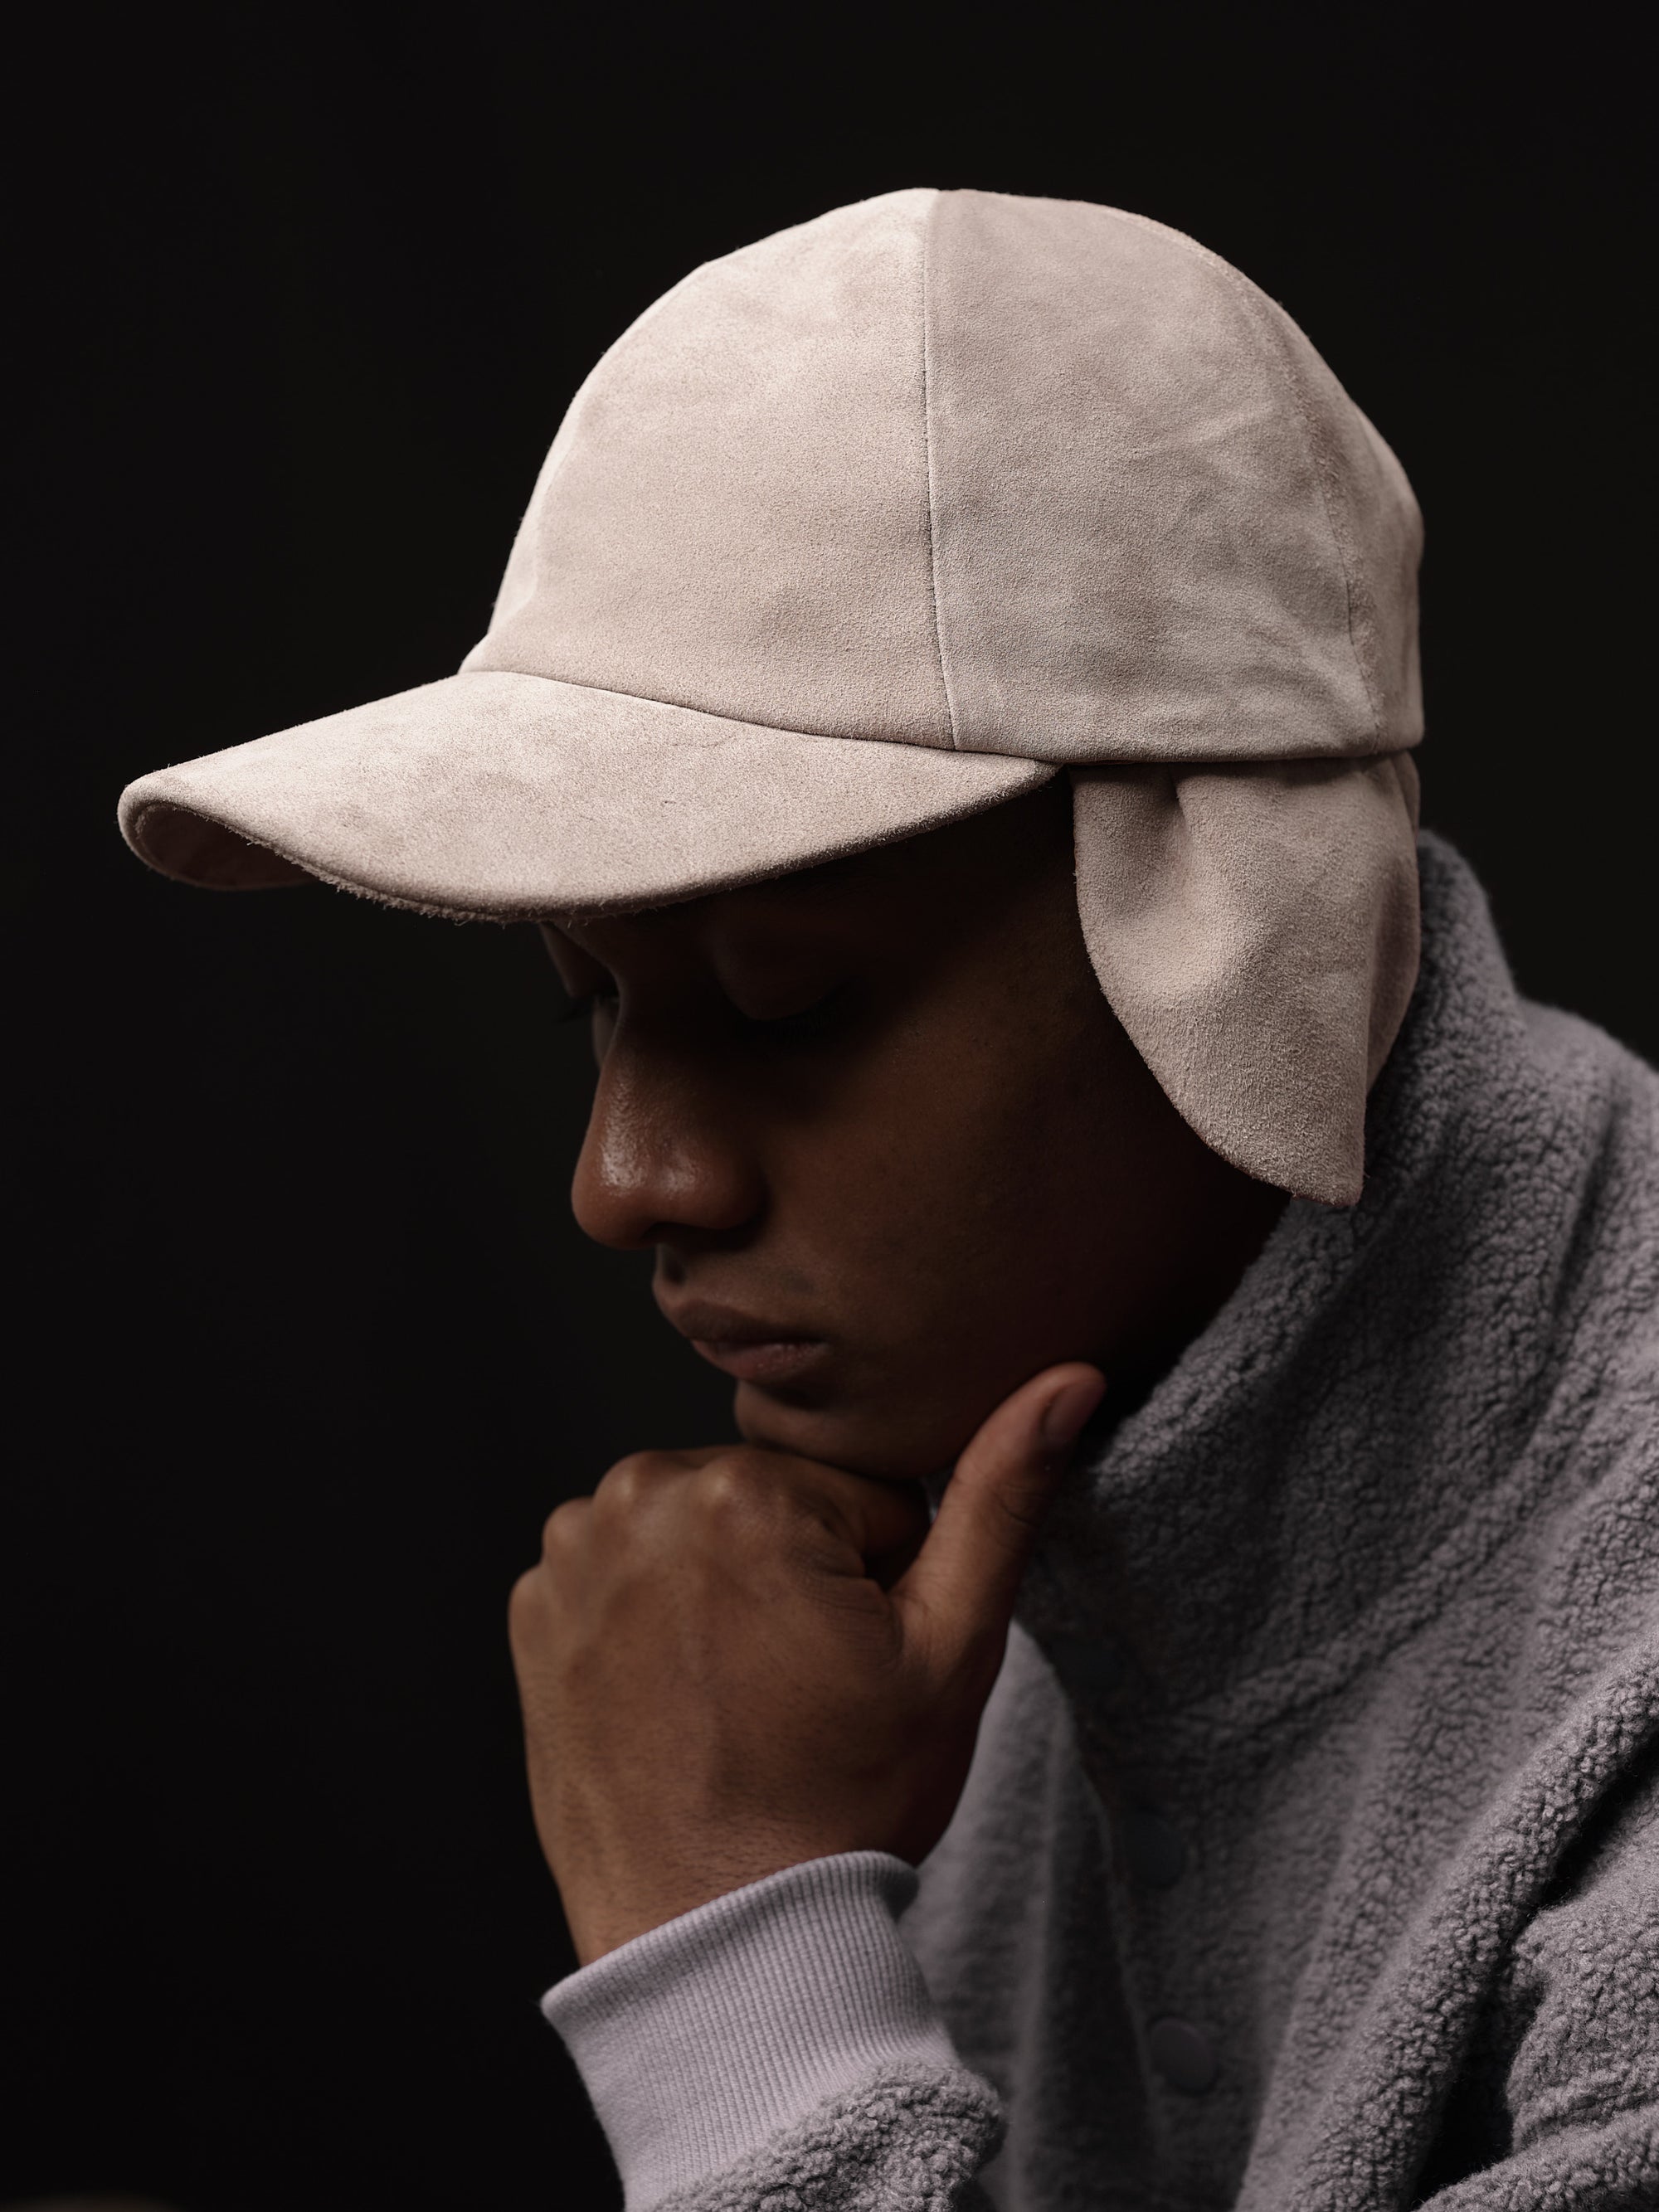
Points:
[893,1150]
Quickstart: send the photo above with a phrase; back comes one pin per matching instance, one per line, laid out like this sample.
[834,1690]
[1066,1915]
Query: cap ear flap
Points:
[1255,929]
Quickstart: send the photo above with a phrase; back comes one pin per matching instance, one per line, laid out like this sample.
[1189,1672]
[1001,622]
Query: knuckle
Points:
[632,1480]
[1019,1510]
[729,1487]
[1011,1512]
[525,1606]
[562,1528]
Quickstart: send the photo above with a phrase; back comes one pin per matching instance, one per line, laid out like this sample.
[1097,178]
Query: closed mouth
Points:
[749,1349]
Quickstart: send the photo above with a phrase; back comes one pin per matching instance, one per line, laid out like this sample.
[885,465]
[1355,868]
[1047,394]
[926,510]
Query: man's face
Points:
[894,1151]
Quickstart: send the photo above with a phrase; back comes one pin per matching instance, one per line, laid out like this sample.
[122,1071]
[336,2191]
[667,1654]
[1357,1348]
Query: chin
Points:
[866,1438]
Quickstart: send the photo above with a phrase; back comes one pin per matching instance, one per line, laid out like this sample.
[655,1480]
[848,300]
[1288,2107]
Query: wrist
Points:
[614,1900]
[703,2039]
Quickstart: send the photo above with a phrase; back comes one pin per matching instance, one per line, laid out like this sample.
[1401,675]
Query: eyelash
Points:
[591,1001]
[802,1018]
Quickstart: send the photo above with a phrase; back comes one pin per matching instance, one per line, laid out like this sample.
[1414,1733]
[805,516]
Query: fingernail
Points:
[1069,1409]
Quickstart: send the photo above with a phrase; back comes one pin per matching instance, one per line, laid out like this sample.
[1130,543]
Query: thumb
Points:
[967,1574]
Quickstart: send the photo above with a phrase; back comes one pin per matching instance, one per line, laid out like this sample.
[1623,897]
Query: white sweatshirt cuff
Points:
[703,2039]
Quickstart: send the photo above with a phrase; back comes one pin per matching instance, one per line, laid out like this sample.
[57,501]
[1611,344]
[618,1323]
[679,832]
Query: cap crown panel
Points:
[1025,477]
[1134,555]
[734,516]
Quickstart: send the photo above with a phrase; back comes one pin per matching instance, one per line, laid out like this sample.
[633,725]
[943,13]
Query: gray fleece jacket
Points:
[1310,1855]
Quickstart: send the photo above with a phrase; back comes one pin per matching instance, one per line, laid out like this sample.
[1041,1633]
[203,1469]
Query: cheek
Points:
[955,1273]
[955,1195]
[964,1212]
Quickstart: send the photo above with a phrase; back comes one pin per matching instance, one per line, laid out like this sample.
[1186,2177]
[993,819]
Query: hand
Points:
[732,1661]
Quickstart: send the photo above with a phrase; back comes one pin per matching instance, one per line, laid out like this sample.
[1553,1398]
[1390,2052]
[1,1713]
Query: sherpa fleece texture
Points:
[1325,1759]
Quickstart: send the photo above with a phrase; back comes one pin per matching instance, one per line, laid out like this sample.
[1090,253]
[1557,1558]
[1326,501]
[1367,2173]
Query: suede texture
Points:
[1256,930]
[872,524]
[438,799]
[734,513]
[1163,531]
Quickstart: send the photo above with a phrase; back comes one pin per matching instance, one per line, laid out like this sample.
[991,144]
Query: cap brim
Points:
[495,796]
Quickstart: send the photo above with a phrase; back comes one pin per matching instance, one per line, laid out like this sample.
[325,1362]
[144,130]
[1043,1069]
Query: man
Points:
[950,707]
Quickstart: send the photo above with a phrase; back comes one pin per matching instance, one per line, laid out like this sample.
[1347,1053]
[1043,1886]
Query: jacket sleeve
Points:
[780,2043]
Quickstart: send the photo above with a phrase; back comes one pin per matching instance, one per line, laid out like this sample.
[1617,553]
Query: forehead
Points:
[843,892]
[909,886]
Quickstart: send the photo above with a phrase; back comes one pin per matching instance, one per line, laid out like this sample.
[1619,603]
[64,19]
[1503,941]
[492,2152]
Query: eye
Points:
[601,1013]
[598,1008]
[580,1005]
[798,1016]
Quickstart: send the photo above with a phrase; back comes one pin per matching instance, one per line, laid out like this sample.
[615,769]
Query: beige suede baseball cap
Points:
[859,529]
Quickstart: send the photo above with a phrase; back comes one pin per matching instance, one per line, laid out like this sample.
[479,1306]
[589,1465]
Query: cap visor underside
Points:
[494,796]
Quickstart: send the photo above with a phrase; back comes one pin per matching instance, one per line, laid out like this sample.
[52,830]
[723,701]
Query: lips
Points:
[749,1349]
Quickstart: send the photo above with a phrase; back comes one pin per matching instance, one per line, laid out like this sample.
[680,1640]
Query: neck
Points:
[1231,1228]
[1317,1452]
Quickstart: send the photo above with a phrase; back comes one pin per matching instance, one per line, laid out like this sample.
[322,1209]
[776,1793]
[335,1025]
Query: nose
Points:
[665,1156]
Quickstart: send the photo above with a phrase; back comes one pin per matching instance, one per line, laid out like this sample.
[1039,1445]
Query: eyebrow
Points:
[841,868]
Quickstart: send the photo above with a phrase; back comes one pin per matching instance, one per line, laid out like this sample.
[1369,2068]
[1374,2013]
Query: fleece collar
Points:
[1349,1438]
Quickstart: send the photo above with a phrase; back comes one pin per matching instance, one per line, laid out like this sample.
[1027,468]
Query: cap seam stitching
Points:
[1255,301]
[1324,472]
[674,706]
[927,449]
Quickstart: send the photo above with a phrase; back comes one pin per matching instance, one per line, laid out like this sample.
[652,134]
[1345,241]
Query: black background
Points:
[306,1346]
